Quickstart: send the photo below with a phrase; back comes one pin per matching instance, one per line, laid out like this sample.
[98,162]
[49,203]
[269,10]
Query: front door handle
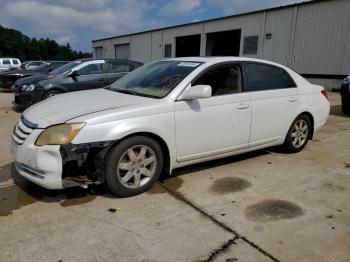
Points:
[100,80]
[292,99]
[242,106]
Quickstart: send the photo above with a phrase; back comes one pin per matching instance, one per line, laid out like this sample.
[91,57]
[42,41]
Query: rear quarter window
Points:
[267,77]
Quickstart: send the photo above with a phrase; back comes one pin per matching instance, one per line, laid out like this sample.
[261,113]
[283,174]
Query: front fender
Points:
[161,125]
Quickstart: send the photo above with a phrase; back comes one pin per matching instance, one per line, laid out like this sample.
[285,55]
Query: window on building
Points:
[250,46]
[267,77]
[224,79]
[168,50]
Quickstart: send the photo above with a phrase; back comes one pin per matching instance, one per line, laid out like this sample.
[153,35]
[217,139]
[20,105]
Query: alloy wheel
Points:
[300,133]
[137,166]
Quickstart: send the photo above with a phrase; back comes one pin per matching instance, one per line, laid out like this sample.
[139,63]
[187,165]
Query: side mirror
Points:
[74,74]
[196,92]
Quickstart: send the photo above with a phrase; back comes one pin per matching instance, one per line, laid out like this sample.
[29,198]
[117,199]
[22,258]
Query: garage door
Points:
[122,51]
[99,52]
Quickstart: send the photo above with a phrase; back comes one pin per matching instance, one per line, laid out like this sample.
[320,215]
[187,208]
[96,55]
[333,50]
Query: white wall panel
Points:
[320,39]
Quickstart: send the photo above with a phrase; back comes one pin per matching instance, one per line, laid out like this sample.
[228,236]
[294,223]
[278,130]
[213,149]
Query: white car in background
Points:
[165,115]
[9,63]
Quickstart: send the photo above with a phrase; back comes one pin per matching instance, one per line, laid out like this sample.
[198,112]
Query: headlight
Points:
[59,134]
[28,88]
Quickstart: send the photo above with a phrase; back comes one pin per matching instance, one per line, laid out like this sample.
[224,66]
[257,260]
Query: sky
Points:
[79,21]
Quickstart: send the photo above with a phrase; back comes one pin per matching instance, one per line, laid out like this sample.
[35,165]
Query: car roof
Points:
[107,59]
[7,58]
[220,59]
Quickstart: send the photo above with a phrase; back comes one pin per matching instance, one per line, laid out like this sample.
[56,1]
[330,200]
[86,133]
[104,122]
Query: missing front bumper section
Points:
[82,164]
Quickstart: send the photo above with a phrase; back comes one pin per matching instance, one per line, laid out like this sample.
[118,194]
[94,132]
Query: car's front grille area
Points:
[21,131]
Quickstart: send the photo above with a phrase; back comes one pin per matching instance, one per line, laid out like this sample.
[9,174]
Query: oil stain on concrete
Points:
[173,184]
[17,196]
[77,197]
[23,193]
[229,185]
[5,173]
[13,197]
[333,187]
[271,210]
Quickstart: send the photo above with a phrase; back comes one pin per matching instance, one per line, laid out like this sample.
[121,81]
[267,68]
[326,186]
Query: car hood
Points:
[33,79]
[64,107]
[20,72]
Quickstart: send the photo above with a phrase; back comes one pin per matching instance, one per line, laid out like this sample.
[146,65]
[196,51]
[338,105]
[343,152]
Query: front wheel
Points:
[298,134]
[51,94]
[133,166]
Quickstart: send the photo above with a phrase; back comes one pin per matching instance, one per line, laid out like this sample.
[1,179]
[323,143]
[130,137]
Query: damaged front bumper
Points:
[54,166]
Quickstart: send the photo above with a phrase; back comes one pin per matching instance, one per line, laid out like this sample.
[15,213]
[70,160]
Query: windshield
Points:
[65,67]
[154,79]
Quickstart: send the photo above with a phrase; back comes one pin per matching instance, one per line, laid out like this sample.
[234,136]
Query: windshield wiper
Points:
[124,91]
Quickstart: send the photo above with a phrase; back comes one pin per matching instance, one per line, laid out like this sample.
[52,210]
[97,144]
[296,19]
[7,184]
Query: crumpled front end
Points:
[56,166]
[41,165]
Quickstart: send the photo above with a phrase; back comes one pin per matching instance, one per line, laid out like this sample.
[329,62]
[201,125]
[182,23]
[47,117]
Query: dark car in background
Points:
[82,74]
[8,78]
[345,96]
[32,65]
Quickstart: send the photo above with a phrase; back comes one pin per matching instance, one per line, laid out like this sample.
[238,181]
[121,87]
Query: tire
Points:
[51,94]
[126,172]
[345,106]
[298,134]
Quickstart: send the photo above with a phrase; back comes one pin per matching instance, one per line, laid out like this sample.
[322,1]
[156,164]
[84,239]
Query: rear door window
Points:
[6,62]
[267,77]
[118,67]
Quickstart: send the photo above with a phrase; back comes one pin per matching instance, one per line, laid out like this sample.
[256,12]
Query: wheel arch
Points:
[312,121]
[53,89]
[165,148]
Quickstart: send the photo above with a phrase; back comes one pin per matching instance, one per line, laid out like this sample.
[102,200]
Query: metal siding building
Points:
[313,38]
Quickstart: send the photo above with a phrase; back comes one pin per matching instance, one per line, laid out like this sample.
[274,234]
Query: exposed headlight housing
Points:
[28,88]
[59,134]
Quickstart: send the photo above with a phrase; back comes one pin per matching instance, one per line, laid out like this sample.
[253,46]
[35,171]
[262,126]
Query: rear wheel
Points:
[298,134]
[133,166]
[51,94]
[345,106]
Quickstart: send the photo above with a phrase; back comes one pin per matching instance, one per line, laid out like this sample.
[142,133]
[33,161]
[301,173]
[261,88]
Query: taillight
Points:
[325,93]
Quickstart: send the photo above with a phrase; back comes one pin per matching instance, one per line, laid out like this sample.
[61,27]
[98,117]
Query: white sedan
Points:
[165,115]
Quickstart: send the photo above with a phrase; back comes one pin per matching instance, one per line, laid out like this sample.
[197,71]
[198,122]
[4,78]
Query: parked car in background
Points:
[345,95]
[9,77]
[33,65]
[166,115]
[77,75]
[9,63]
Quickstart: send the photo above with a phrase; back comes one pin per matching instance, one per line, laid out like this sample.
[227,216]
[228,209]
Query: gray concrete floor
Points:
[262,206]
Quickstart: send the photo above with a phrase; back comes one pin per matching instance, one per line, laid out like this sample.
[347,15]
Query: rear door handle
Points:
[292,99]
[242,106]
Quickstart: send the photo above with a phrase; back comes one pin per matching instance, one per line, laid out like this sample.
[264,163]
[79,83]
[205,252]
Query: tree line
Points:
[17,45]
